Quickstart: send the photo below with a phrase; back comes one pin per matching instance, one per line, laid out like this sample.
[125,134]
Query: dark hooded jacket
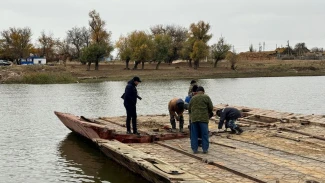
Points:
[131,94]
[228,113]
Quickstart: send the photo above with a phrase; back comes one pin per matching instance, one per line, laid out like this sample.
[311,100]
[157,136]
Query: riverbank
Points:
[75,72]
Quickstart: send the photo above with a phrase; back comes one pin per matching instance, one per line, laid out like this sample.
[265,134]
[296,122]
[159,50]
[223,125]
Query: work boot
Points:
[233,131]
[181,124]
[239,130]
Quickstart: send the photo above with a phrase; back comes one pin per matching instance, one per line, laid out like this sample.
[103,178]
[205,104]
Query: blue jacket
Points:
[131,94]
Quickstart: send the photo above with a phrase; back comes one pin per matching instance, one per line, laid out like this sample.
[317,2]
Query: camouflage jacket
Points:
[200,107]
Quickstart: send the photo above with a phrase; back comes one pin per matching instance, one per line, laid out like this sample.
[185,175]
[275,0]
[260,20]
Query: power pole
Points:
[289,48]
[263,46]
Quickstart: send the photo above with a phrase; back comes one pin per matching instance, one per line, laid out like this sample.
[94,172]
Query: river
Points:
[36,147]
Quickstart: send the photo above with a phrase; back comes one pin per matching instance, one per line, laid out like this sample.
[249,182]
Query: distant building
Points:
[33,61]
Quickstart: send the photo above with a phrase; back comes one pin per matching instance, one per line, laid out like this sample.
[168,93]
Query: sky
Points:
[241,22]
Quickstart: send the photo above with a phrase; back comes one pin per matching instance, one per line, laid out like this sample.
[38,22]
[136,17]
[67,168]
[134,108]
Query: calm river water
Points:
[36,147]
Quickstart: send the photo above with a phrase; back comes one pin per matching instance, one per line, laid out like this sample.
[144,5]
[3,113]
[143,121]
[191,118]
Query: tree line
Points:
[163,43]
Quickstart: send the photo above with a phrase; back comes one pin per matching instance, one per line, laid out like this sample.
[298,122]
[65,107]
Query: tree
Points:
[124,50]
[178,36]
[232,57]
[85,36]
[219,51]
[16,42]
[142,47]
[251,48]
[163,48]
[300,49]
[317,50]
[186,52]
[74,37]
[198,38]
[63,50]
[93,53]
[47,43]
[200,50]
[99,36]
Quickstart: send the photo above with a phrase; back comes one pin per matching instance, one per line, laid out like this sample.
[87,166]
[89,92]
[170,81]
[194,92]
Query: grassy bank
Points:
[115,71]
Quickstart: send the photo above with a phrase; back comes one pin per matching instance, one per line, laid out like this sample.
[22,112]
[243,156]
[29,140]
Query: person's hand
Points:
[140,98]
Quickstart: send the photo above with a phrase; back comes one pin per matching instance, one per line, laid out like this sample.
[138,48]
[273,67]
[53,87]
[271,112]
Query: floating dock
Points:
[275,147]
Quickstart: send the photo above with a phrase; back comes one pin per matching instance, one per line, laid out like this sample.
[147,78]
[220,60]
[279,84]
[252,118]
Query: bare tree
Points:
[85,35]
[48,43]
[63,50]
[74,37]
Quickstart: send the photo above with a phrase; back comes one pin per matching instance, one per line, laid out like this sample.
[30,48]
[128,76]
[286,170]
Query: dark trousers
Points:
[131,113]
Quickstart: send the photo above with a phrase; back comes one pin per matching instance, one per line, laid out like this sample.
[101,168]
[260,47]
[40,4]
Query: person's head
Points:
[193,82]
[194,88]
[136,80]
[218,113]
[200,89]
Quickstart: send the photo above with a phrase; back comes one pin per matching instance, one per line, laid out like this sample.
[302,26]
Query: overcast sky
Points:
[241,22]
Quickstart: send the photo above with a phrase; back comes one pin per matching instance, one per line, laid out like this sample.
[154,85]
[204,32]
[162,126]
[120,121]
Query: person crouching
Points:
[231,115]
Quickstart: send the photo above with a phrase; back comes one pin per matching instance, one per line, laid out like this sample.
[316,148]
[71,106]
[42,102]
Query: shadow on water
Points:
[84,159]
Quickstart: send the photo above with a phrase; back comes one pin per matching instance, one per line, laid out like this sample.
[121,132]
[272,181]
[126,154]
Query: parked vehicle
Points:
[4,63]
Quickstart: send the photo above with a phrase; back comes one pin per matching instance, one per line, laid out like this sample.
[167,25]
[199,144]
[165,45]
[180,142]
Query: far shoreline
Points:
[74,72]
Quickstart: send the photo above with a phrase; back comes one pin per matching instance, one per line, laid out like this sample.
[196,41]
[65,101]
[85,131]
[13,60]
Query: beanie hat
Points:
[136,78]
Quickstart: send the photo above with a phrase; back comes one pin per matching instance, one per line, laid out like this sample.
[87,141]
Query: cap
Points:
[136,78]
[200,88]
[193,81]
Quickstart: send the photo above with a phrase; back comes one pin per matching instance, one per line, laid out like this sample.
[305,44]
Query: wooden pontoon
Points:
[275,147]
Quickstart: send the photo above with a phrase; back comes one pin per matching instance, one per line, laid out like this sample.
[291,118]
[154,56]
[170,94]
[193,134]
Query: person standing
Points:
[190,90]
[200,110]
[176,109]
[230,114]
[130,97]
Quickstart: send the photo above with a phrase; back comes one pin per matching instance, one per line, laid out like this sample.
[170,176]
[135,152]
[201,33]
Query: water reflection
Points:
[84,162]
